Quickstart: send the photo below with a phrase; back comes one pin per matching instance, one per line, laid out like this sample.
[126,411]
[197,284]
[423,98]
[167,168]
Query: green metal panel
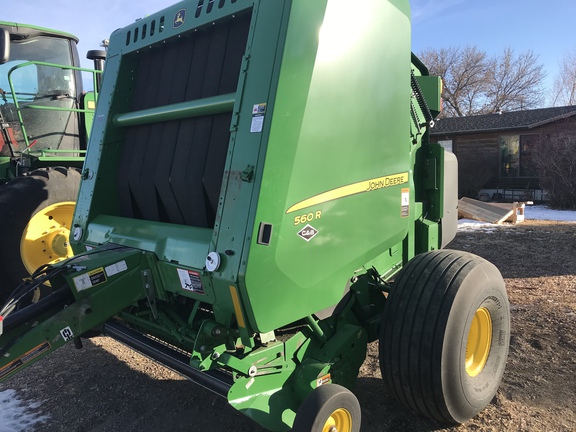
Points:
[115,94]
[108,135]
[338,157]
[432,90]
[185,245]
[89,102]
[98,207]
[116,270]
[258,80]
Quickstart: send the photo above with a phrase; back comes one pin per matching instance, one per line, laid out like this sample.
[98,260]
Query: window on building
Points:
[516,155]
[509,156]
[527,147]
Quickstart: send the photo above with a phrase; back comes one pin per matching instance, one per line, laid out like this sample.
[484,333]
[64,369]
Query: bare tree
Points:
[555,161]
[463,72]
[564,92]
[515,82]
[477,84]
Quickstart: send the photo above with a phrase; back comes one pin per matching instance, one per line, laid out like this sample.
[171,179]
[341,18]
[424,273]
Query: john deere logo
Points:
[179,18]
[308,232]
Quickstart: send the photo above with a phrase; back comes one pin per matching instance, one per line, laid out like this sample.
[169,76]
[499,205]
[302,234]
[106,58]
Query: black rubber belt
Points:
[213,380]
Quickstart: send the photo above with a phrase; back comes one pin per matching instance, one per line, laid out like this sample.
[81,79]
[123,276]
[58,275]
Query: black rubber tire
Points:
[424,332]
[321,403]
[20,199]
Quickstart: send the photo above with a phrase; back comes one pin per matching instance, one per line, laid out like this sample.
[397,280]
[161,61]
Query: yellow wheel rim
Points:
[479,342]
[45,238]
[339,421]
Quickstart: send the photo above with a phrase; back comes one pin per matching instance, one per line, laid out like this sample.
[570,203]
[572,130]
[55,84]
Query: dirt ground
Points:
[107,387]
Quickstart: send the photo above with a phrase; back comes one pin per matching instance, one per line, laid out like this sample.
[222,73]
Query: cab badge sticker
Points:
[179,18]
[308,232]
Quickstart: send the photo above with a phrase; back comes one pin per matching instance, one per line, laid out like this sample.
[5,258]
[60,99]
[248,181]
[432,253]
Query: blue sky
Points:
[91,21]
[545,27]
[548,28]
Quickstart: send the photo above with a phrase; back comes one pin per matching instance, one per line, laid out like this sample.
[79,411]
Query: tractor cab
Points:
[44,111]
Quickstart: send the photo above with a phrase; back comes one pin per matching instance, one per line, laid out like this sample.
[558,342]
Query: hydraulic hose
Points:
[17,318]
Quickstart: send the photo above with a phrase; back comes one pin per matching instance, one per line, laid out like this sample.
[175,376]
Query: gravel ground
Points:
[107,387]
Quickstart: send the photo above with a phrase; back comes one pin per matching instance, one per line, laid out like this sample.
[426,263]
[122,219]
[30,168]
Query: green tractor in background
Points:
[45,120]
[259,201]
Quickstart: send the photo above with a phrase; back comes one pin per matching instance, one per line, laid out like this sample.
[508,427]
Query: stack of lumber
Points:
[490,212]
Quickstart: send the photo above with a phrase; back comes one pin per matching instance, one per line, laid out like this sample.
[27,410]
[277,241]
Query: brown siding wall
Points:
[478,162]
[561,126]
[479,156]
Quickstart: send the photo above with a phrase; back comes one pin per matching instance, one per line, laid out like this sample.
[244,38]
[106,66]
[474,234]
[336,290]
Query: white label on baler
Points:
[258,112]
[405,203]
[323,380]
[90,279]
[190,281]
[67,333]
[114,269]
[82,282]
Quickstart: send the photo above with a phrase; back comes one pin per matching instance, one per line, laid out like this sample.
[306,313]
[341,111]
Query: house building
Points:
[496,151]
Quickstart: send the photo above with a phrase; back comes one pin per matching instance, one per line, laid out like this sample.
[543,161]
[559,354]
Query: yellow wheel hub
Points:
[479,342]
[339,421]
[45,238]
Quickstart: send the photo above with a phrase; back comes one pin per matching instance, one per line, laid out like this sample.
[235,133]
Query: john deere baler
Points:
[259,201]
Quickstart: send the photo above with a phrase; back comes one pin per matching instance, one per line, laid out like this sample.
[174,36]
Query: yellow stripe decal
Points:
[352,189]
[237,308]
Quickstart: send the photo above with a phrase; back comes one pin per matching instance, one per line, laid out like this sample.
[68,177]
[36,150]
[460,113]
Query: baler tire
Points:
[445,335]
[329,404]
[43,190]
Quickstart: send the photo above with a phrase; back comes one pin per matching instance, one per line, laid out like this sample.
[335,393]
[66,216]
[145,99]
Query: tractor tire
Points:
[445,335]
[36,213]
[326,408]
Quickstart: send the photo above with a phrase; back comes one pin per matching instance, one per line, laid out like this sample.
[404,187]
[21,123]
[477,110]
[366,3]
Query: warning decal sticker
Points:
[23,359]
[405,203]
[190,281]
[258,113]
[90,279]
[326,379]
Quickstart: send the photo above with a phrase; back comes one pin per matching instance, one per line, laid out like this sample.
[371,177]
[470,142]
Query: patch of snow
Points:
[531,212]
[474,225]
[540,212]
[17,415]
